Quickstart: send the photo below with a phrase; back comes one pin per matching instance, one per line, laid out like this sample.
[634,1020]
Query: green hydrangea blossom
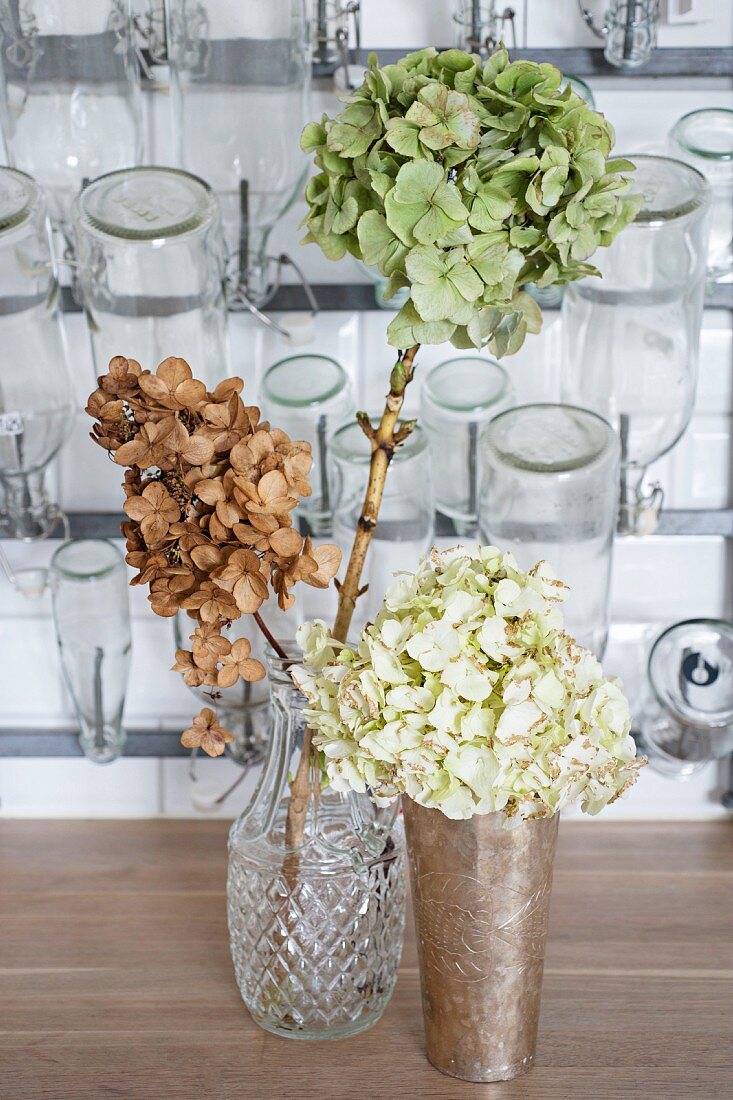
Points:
[467,695]
[464,181]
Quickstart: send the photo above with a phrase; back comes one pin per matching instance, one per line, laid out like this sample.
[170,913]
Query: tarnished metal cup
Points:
[481,893]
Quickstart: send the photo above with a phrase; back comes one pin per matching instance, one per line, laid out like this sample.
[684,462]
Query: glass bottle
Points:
[630,30]
[404,531]
[151,270]
[71,103]
[704,139]
[88,581]
[688,711]
[315,924]
[240,81]
[36,395]
[308,396]
[550,493]
[457,400]
[630,340]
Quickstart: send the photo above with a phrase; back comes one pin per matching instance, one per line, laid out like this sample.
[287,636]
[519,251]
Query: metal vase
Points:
[481,894]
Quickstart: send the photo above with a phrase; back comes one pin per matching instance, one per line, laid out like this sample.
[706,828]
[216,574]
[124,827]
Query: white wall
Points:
[656,580]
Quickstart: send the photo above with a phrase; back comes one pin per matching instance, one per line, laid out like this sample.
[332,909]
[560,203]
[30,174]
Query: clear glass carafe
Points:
[151,270]
[315,924]
[630,340]
[36,394]
[240,81]
[71,107]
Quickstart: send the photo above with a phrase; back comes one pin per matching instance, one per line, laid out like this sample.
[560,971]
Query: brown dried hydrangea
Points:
[209,494]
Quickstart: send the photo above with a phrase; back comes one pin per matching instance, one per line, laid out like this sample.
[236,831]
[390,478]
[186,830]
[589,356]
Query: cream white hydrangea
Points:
[467,695]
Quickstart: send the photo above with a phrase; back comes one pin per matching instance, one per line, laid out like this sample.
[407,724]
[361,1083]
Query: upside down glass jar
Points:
[315,920]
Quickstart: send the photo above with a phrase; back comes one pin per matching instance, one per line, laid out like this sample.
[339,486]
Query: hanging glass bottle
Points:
[240,76]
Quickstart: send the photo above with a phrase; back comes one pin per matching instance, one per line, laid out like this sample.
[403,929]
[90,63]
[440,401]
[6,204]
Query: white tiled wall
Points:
[656,580]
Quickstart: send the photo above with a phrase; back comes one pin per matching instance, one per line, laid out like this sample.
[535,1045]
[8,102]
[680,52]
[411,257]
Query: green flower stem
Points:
[384,439]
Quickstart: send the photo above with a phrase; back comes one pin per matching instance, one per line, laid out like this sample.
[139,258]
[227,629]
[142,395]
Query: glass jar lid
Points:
[691,671]
[671,189]
[706,133]
[144,204]
[349,444]
[303,381]
[18,195]
[470,387]
[550,439]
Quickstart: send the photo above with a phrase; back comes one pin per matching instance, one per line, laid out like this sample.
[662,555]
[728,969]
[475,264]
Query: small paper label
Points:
[11,423]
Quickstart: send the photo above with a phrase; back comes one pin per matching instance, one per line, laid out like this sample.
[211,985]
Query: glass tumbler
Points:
[550,493]
[457,400]
[404,530]
[630,30]
[36,395]
[151,270]
[704,139]
[88,581]
[630,340]
[240,82]
[688,712]
[71,102]
[308,396]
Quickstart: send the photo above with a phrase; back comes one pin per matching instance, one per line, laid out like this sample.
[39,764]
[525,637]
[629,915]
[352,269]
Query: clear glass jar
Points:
[36,395]
[309,396]
[704,139]
[404,531]
[688,711]
[457,400]
[72,103]
[151,270]
[315,927]
[630,29]
[550,493]
[88,581]
[630,340]
[240,80]
[244,708]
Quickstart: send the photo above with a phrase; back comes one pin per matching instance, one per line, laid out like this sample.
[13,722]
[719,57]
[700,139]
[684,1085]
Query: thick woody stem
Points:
[384,438]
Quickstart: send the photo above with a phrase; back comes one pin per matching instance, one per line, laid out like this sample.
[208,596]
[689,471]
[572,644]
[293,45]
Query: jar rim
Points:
[681,127]
[568,465]
[17,207]
[192,209]
[466,407]
[76,574]
[698,189]
[338,384]
[718,719]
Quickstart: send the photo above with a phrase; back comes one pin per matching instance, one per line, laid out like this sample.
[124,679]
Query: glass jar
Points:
[630,340]
[457,400]
[630,30]
[704,139]
[240,81]
[36,395]
[243,708]
[151,270]
[308,396]
[316,924]
[88,581]
[550,493]
[404,530]
[72,104]
[688,712]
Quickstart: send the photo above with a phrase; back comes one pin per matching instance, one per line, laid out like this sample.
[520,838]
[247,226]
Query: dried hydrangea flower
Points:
[209,493]
[206,733]
[467,695]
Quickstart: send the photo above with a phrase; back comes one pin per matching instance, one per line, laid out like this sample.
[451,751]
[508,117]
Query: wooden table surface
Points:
[115,978]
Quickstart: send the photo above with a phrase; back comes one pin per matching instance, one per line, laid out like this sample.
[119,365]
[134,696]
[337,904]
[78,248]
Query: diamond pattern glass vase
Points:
[315,930]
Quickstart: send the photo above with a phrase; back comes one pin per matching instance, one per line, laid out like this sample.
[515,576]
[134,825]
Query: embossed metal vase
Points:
[482,895]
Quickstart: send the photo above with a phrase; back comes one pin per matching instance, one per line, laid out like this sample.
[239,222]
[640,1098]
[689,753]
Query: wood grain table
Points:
[115,978]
